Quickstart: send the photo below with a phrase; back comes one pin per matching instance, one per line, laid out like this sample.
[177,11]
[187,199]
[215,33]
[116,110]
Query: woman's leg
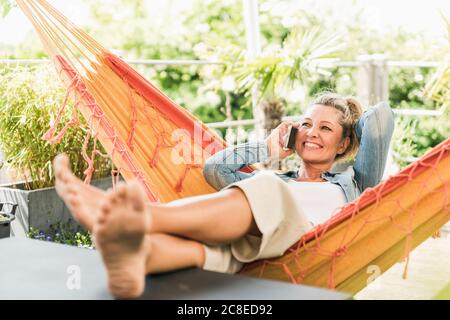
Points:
[131,236]
[170,253]
[219,217]
[129,252]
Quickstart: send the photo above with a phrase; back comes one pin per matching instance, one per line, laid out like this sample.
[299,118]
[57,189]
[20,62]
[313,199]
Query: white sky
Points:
[15,26]
[412,15]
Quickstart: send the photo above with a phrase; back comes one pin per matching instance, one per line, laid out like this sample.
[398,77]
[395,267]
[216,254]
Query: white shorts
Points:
[278,216]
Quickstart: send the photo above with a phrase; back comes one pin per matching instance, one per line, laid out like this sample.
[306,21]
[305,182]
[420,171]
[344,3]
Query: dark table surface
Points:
[34,269]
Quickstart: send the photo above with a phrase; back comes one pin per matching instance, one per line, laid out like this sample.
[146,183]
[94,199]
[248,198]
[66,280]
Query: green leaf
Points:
[5,7]
[29,99]
[276,70]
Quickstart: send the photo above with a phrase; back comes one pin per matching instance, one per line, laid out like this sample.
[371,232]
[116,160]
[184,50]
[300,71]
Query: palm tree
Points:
[280,69]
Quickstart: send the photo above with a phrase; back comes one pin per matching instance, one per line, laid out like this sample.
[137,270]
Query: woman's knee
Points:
[245,208]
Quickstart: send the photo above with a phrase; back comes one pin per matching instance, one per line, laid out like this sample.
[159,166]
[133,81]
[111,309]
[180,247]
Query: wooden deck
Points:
[428,273]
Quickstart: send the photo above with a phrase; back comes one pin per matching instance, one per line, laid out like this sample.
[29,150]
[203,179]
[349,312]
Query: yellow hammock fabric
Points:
[152,139]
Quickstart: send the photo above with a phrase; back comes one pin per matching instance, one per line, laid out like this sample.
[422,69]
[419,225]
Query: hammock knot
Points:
[340,251]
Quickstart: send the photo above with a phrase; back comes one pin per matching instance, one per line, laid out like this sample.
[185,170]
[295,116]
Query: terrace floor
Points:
[428,274]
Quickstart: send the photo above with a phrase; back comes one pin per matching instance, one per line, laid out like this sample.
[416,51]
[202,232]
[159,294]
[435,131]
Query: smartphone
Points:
[289,142]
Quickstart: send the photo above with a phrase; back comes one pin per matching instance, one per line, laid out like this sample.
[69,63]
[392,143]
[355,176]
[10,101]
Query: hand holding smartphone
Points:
[289,142]
[281,141]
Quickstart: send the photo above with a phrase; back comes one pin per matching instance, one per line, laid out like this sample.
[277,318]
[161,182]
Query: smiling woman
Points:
[257,215]
[327,133]
[333,129]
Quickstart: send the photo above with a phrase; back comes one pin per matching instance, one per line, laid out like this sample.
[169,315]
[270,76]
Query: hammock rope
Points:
[381,214]
[152,139]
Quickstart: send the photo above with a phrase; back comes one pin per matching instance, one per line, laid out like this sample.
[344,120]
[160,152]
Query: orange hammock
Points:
[150,138]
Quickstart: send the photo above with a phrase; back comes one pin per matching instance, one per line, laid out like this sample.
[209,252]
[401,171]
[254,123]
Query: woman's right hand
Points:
[275,141]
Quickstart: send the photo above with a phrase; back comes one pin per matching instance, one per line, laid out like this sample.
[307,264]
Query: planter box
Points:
[5,230]
[39,208]
[7,214]
[5,224]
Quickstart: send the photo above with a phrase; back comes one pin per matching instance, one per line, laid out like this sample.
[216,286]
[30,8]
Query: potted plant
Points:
[29,100]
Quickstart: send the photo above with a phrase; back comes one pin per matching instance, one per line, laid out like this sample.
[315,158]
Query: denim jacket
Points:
[374,131]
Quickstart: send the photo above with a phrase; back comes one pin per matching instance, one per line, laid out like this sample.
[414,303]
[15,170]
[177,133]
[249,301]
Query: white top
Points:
[319,200]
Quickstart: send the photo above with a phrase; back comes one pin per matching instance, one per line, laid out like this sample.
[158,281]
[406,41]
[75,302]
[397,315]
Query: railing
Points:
[129,61]
[372,84]
[372,75]
[372,87]
[246,122]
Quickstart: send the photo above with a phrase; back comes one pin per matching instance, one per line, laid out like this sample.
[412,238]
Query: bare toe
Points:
[105,208]
[74,202]
[61,161]
[121,190]
[136,196]
[111,197]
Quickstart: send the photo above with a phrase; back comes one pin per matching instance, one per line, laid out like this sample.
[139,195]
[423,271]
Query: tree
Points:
[282,69]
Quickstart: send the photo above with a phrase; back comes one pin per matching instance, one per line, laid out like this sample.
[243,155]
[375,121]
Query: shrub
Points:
[413,137]
[29,101]
[64,233]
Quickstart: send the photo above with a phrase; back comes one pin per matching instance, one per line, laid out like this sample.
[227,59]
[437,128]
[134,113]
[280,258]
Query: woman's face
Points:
[319,138]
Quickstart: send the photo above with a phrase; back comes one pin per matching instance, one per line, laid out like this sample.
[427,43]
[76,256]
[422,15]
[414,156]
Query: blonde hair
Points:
[351,109]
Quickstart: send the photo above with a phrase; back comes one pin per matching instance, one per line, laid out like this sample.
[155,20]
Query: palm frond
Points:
[277,70]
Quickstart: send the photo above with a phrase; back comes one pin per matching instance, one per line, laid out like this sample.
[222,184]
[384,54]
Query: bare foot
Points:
[120,237]
[82,199]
